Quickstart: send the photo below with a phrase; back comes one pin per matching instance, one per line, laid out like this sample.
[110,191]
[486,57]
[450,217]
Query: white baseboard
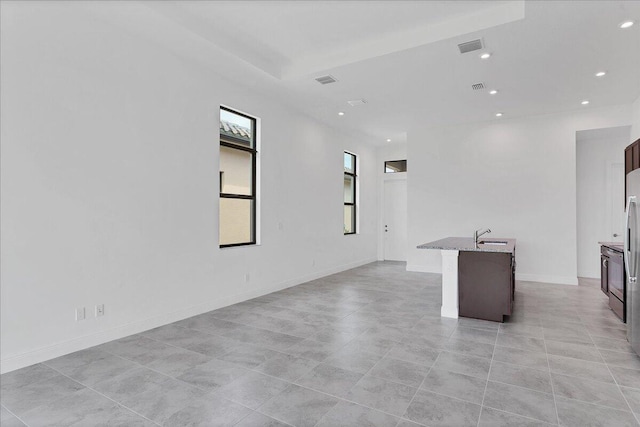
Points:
[543,278]
[451,313]
[17,361]
[594,276]
[424,268]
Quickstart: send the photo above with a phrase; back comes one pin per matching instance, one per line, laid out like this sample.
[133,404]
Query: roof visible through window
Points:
[236,126]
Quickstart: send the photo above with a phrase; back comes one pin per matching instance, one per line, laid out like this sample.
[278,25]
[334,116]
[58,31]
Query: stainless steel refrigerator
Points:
[632,259]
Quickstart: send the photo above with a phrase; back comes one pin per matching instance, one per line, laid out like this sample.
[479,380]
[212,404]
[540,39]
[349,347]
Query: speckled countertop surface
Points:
[467,244]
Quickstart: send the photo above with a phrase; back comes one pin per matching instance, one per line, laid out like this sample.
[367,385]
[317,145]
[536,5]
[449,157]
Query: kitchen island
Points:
[478,279]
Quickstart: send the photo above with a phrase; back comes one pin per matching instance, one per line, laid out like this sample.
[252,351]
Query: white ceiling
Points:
[289,39]
[402,56]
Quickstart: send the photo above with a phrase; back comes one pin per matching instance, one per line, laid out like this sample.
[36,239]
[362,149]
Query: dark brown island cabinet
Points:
[612,277]
[486,284]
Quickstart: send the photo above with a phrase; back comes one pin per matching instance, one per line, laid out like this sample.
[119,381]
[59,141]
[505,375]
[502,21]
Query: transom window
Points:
[395,166]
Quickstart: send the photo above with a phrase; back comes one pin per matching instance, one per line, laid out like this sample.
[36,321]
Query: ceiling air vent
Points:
[356,102]
[325,80]
[477,86]
[470,46]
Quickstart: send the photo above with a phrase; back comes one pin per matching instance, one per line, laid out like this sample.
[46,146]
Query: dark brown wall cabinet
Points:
[631,162]
[486,284]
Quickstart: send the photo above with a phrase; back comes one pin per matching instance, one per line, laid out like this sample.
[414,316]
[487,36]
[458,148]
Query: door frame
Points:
[398,176]
[610,202]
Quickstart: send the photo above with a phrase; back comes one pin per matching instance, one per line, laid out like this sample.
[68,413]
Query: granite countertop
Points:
[467,244]
[618,246]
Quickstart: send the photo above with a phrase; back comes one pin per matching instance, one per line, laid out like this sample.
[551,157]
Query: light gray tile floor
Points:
[362,347]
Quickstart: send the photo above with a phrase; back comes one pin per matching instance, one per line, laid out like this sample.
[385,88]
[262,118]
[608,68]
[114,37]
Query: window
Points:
[350,179]
[395,166]
[237,179]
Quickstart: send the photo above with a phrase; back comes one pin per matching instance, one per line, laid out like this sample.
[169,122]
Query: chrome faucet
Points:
[479,233]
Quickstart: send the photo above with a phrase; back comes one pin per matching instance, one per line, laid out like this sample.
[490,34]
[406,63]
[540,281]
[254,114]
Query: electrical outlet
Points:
[80,314]
[99,310]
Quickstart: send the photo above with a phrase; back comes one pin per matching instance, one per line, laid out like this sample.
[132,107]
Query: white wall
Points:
[596,151]
[635,120]
[516,176]
[110,187]
[391,151]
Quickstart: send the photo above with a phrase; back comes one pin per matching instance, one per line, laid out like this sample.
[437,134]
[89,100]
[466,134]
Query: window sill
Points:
[244,245]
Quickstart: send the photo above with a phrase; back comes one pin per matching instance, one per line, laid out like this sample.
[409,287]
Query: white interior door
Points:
[395,220]
[616,199]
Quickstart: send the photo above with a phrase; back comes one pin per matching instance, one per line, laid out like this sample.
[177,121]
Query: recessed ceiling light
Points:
[485,55]
[341,113]
[493,92]
[626,24]
[498,114]
[585,102]
[388,140]
[600,73]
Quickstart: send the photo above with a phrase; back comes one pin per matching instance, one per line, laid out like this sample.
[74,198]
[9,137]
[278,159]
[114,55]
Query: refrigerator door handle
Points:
[627,242]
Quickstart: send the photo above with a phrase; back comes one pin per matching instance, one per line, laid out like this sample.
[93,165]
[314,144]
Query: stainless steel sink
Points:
[494,243]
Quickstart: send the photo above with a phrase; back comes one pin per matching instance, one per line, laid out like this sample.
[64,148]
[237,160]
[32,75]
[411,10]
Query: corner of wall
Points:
[635,120]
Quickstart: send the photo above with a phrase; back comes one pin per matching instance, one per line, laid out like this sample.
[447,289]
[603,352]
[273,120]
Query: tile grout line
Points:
[486,386]
[637,418]
[103,395]
[346,400]
[240,343]
[419,388]
[214,392]
[178,347]
[255,411]
[522,366]
[520,416]
[392,381]
[350,401]
[140,365]
[553,390]
[604,362]
[164,374]
[16,416]
[285,351]
[594,404]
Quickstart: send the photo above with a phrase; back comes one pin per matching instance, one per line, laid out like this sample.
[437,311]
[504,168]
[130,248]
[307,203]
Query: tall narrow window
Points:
[237,178]
[349,193]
